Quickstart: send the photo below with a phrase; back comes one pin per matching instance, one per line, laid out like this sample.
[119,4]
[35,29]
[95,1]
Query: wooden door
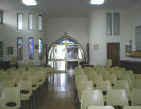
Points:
[113,52]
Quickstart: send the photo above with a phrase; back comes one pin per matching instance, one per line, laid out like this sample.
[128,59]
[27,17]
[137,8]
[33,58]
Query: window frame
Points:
[40,22]
[19,24]
[109,22]
[20,55]
[30,22]
[31,57]
[114,24]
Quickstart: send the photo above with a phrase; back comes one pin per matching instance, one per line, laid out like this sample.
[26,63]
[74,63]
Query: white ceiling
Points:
[67,8]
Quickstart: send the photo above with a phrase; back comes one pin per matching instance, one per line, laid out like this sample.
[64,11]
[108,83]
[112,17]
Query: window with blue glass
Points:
[66,42]
[20,48]
[31,47]
[40,51]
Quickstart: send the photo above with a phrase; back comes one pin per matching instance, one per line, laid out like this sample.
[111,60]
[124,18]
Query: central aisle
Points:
[60,94]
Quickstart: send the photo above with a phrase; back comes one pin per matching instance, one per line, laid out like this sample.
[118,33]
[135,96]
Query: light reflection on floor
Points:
[60,94]
[60,82]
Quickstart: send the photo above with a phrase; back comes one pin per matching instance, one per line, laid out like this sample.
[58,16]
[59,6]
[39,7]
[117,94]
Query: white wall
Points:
[97,35]
[9,33]
[92,30]
[77,27]
[82,29]
[136,21]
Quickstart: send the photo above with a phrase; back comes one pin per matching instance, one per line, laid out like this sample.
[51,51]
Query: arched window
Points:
[65,53]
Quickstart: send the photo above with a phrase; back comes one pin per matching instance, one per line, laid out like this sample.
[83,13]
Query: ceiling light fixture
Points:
[29,2]
[96,2]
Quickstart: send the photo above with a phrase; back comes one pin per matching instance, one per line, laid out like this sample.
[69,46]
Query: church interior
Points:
[70,54]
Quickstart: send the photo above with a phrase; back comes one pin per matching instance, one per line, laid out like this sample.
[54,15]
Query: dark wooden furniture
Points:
[6,65]
[133,65]
[113,52]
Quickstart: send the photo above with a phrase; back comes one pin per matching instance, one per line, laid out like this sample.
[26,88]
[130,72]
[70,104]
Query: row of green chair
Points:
[115,85]
[18,86]
[111,107]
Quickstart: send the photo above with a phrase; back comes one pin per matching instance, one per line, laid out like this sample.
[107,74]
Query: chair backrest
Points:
[84,85]
[92,75]
[122,84]
[13,60]
[105,85]
[25,84]
[100,107]
[127,75]
[113,78]
[93,97]
[108,63]
[106,75]
[132,75]
[136,97]
[11,94]
[132,107]
[138,83]
[80,78]
[117,97]
[1,89]
[98,80]
[7,83]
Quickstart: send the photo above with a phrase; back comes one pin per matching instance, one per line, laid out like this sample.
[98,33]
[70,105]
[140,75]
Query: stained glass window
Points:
[31,48]
[40,48]
[66,41]
[20,48]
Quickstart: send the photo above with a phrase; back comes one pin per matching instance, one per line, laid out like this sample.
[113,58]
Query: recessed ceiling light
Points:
[96,2]
[29,2]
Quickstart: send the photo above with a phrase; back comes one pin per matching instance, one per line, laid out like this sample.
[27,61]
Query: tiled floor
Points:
[60,94]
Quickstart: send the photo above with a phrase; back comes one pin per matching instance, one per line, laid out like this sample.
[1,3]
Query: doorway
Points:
[113,53]
[65,54]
